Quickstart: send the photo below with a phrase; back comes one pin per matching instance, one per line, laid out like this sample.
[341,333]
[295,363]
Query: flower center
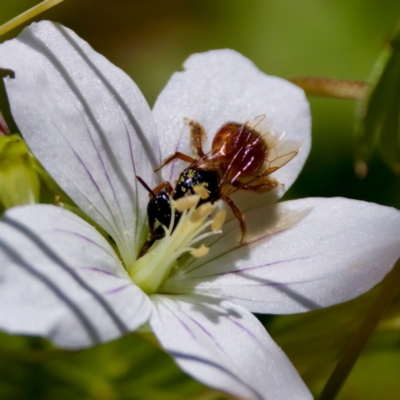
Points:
[151,271]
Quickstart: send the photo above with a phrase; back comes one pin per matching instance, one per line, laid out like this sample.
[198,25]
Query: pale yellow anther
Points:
[200,251]
[202,212]
[186,202]
[218,220]
[201,191]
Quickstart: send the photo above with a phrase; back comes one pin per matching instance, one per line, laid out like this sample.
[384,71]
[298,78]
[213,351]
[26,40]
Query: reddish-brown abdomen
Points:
[239,150]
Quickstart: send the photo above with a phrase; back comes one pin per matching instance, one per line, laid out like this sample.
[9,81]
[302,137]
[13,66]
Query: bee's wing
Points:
[254,122]
[279,153]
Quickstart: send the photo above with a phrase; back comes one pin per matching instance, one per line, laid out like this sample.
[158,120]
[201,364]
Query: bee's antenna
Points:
[144,184]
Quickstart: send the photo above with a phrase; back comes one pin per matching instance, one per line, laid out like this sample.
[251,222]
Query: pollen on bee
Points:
[200,251]
[185,203]
[218,220]
[201,191]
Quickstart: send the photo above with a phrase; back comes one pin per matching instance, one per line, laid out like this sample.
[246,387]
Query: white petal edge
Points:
[60,279]
[223,86]
[87,123]
[225,347]
[307,254]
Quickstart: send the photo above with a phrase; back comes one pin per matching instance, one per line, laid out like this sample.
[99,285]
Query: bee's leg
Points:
[152,193]
[168,188]
[198,136]
[238,214]
[179,156]
[148,243]
[267,185]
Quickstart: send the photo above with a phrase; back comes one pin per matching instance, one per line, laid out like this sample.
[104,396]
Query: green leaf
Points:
[378,116]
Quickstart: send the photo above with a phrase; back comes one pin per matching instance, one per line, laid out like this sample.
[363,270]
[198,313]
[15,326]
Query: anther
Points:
[200,251]
[201,191]
[186,202]
[202,212]
[218,220]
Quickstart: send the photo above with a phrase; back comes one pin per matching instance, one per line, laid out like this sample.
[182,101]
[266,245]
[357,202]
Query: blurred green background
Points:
[150,40]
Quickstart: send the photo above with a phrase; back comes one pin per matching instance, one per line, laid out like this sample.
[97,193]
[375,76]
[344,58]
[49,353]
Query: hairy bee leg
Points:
[198,136]
[168,188]
[260,188]
[239,215]
[179,156]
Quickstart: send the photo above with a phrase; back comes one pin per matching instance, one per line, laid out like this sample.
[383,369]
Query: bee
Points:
[241,158]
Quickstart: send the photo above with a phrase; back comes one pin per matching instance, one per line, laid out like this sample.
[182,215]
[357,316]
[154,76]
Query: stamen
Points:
[185,203]
[201,191]
[153,269]
[218,220]
[200,251]
[202,212]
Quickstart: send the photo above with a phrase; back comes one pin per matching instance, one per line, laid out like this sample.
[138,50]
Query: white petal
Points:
[226,347]
[311,253]
[60,279]
[87,123]
[223,86]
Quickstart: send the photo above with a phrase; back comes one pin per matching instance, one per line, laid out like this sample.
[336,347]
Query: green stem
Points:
[28,14]
[336,88]
[389,289]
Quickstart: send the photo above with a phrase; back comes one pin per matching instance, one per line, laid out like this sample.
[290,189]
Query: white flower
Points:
[91,128]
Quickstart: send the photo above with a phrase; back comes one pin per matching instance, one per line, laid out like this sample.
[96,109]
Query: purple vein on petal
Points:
[86,239]
[101,162]
[115,234]
[118,289]
[267,265]
[238,271]
[218,366]
[115,94]
[173,311]
[90,176]
[234,248]
[94,269]
[34,42]
[58,261]
[230,319]
[55,289]
[207,333]
[185,356]
[210,362]
[135,200]
[106,174]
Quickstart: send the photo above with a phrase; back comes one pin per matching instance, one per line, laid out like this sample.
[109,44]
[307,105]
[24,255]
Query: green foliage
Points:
[315,341]
[150,40]
[19,183]
[23,180]
[378,123]
[129,368]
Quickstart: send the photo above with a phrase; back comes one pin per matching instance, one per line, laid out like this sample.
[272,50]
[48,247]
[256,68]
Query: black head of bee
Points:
[192,177]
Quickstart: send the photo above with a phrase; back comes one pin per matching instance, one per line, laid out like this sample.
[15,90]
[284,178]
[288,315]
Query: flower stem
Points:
[337,88]
[28,14]
[389,289]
